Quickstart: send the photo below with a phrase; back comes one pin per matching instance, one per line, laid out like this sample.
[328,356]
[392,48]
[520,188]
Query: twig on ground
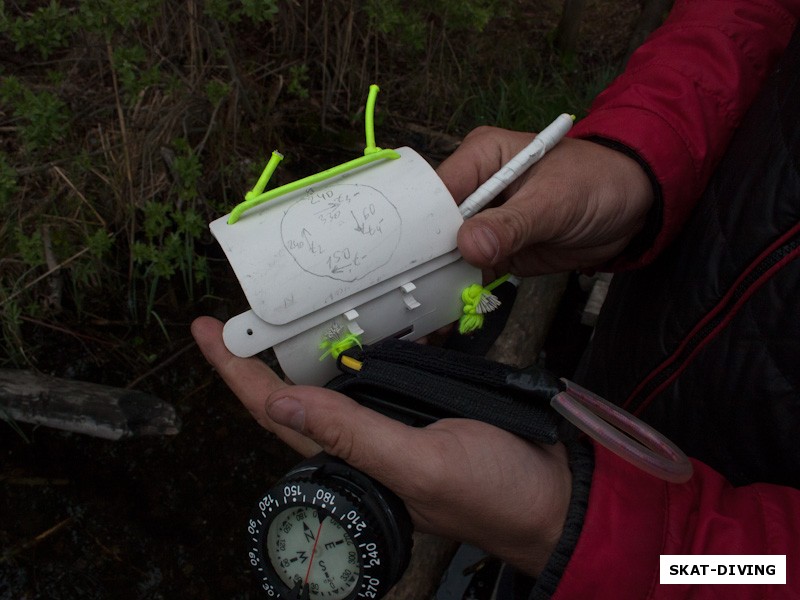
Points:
[12,552]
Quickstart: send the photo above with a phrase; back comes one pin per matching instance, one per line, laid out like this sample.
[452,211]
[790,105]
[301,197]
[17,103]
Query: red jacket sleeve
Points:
[685,90]
[632,518]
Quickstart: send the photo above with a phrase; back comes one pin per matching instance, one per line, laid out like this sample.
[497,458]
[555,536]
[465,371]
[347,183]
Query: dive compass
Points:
[328,531]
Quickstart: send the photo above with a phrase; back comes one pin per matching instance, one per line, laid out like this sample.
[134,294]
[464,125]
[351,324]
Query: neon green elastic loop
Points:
[497,282]
[265,176]
[369,120]
[308,181]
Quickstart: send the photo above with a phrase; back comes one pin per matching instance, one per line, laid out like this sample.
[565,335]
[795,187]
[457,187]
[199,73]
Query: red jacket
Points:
[683,94]
[685,90]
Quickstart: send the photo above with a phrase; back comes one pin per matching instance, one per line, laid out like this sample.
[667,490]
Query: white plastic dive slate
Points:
[370,252]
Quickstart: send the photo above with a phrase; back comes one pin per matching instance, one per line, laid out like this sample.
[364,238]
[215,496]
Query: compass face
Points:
[307,546]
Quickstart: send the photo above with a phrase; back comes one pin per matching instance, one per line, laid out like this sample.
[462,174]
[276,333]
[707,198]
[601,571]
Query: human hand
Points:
[578,207]
[461,479]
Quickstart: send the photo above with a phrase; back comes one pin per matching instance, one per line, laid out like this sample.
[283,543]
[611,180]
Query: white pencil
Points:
[543,142]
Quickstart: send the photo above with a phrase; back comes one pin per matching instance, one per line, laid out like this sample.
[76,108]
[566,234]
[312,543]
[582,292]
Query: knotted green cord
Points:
[472,296]
[336,346]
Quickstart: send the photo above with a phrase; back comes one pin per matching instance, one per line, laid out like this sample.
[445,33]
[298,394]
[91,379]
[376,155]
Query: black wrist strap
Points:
[419,384]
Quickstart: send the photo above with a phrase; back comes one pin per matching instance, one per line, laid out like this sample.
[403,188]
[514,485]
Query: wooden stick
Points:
[88,408]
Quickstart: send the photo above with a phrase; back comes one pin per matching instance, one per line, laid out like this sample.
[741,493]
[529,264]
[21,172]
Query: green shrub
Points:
[170,231]
[8,183]
[47,29]
[410,21]
[42,116]
[108,16]
[235,11]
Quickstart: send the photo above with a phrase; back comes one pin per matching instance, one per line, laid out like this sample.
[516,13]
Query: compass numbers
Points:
[355,521]
[325,497]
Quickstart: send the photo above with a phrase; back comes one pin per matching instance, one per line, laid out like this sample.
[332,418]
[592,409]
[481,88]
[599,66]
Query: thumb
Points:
[367,440]
[493,235]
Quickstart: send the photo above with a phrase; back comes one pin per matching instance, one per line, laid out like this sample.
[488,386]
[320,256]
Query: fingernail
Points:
[288,412]
[486,242]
